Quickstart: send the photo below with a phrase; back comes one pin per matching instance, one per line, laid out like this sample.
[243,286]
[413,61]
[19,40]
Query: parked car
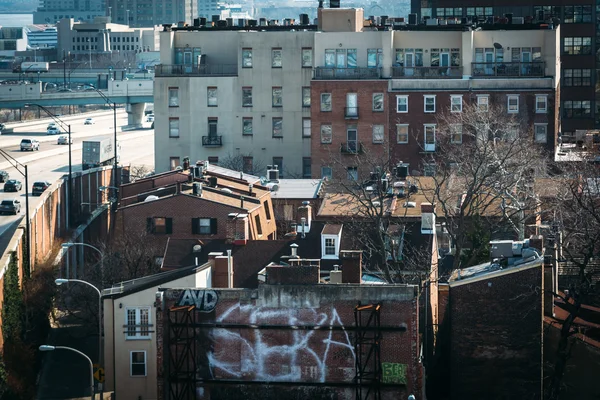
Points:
[13,185]
[150,118]
[53,131]
[64,139]
[89,121]
[3,176]
[30,144]
[39,187]
[10,206]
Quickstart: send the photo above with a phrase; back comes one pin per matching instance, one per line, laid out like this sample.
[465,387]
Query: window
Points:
[377,133]
[577,45]
[326,172]
[352,173]
[173,127]
[277,127]
[578,14]
[325,101]
[429,133]
[456,103]
[577,77]
[258,225]
[576,109]
[402,104]
[159,225]
[247,97]
[277,97]
[212,126]
[429,103]
[247,126]
[513,104]
[276,58]
[326,134]
[211,96]
[352,105]
[173,162]
[306,127]
[307,58]
[306,96]
[541,103]
[330,246]
[137,363]
[213,160]
[267,210]
[248,166]
[204,226]
[377,101]
[429,169]
[456,133]
[330,58]
[402,133]
[483,103]
[137,323]
[374,58]
[278,161]
[540,133]
[306,170]
[246,58]
[173,97]
[549,11]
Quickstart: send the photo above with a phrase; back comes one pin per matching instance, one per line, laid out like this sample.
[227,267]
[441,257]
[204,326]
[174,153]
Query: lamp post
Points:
[116,189]
[66,128]
[46,347]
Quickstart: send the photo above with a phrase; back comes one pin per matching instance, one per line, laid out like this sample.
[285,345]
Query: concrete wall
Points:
[29,91]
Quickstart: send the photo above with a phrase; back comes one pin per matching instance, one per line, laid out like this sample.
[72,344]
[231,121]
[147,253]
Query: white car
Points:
[51,125]
[63,140]
[150,118]
[89,121]
[52,131]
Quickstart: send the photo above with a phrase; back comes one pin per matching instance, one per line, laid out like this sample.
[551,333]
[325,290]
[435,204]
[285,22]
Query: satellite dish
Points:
[151,198]
[197,248]
[497,45]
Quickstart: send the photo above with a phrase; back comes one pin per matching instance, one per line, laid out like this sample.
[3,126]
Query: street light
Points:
[67,128]
[46,347]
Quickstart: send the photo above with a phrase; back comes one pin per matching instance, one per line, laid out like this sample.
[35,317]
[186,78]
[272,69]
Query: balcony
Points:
[351,147]
[195,70]
[212,141]
[427,72]
[346,73]
[509,69]
[351,112]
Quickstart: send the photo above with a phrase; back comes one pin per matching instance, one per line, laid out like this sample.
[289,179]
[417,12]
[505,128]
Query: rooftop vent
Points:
[150,198]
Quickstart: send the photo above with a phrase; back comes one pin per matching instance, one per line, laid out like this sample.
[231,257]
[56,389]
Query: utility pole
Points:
[64,69]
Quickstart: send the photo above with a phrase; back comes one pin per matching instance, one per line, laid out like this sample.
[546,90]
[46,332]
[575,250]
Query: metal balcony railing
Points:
[351,147]
[427,72]
[509,69]
[351,112]
[346,73]
[212,141]
[162,70]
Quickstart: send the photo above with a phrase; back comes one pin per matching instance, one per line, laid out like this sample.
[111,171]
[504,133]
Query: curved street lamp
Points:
[46,347]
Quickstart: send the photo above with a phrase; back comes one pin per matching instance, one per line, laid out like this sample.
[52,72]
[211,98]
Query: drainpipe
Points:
[229,280]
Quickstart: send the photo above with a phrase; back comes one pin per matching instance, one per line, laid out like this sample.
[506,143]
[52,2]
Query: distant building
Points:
[51,11]
[42,36]
[149,13]
[208,8]
[12,40]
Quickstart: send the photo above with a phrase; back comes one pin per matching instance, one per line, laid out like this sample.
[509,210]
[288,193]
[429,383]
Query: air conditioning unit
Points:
[432,22]
[273,174]
[197,189]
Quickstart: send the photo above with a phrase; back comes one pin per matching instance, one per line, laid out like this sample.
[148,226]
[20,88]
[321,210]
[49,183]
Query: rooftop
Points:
[298,189]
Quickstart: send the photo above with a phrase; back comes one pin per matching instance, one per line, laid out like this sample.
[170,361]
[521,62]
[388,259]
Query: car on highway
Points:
[13,185]
[51,125]
[150,118]
[3,175]
[39,187]
[52,131]
[10,206]
[30,144]
[64,139]
[89,121]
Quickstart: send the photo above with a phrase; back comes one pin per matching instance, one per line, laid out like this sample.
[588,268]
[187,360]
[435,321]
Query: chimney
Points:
[237,229]
[335,276]
[197,189]
[427,218]
[351,266]
[299,272]
[241,201]
[250,187]
[304,216]
[294,248]
[222,271]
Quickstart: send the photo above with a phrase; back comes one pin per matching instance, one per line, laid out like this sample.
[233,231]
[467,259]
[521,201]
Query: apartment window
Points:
[247,126]
[204,226]
[137,363]
[306,127]
[456,103]
[247,97]
[402,133]
[325,101]
[137,323]
[211,97]
[456,131]
[307,60]
[578,14]
[576,109]
[429,133]
[278,161]
[541,104]
[258,225]
[429,169]
[326,134]
[577,45]
[212,126]
[402,104]
[374,58]
[352,173]
[159,225]
[276,58]
[277,127]
[306,169]
[173,127]
[549,11]
[352,105]
[378,134]
[576,77]
[326,172]
[483,103]
[173,162]
[429,103]
[267,210]
[513,104]
[306,96]
[246,58]
[330,58]
[277,97]
[540,133]
[248,165]
[213,160]
[173,97]
[377,101]
[330,246]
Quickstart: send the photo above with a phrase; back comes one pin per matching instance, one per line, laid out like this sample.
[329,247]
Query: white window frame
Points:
[331,133]
[215,99]
[306,127]
[307,62]
[131,364]
[456,129]
[137,330]
[481,104]
[275,63]
[306,96]
[204,223]
[173,127]
[429,146]
[173,97]
[336,246]
[247,58]
[425,98]
[378,127]
[545,100]
[398,98]
[454,97]
[382,101]
[545,126]
[508,99]
[330,102]
[398,126]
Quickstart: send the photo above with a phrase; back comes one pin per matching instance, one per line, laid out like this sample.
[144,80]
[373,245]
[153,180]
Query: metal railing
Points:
[509,69]
[346,73]
[351,147]
[212,140]
[427,72]
[196,70]
[351,112]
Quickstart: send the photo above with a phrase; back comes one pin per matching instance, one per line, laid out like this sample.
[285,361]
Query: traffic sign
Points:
[99,375]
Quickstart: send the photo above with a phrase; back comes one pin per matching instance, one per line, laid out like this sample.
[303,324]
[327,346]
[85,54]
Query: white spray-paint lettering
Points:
[204,300]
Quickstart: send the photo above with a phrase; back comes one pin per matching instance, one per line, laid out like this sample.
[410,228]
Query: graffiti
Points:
[303,355]
[204,300]
[393,373]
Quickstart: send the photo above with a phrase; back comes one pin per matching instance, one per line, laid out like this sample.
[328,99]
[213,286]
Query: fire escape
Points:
[367,341]
[182,366]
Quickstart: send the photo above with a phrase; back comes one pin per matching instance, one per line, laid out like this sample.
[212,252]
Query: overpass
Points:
[135,93]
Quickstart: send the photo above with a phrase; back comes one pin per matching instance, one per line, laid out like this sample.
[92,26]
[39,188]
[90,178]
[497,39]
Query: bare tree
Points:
[237,162]
[138,172]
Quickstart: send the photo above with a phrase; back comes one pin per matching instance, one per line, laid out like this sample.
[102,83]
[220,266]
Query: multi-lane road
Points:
[52,160]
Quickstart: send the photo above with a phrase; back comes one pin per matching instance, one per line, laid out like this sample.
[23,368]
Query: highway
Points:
[52,160]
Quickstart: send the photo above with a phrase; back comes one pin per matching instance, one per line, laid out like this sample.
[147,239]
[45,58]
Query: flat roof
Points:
[298,189]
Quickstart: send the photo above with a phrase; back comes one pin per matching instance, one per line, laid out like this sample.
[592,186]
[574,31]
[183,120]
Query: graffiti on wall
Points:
[304,356]
[203,300]
[393,373]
